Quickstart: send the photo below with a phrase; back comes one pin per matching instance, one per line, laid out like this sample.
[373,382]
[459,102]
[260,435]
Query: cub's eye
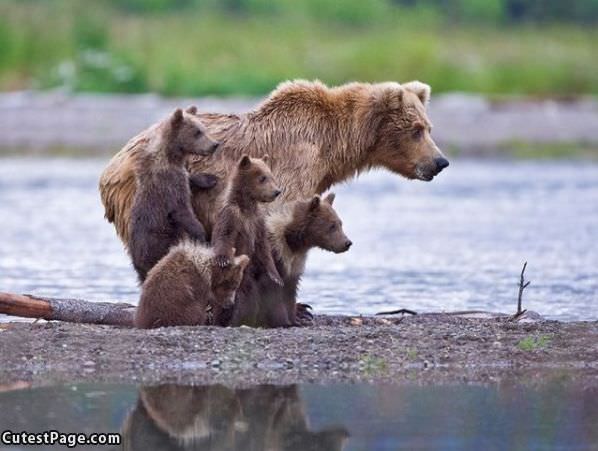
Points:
[332,227]
[263,179]
[418,133]
[198,133]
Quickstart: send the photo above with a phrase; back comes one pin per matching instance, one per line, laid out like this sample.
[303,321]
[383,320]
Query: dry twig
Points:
[522,286]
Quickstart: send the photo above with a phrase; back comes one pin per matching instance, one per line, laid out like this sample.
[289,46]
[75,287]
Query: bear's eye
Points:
[263,179]
[417,133]
[198,133]
[333,227]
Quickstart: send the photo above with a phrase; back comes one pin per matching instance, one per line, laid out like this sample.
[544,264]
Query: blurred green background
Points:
[232,47]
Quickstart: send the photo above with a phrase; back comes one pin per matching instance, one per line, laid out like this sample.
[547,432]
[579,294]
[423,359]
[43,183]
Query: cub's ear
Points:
[244,162]
[314,203]
[266,159]
[177,118]
[233,251]
[192,109]
[421,90]
[330,198]
[242,261]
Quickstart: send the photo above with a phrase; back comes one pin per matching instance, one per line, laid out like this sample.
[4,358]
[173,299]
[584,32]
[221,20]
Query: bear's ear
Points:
[421,90]
[233,251]
[242,261]
[387,96]
[192,109]
[314,203]
[330,198]
[244,162]
[177,118]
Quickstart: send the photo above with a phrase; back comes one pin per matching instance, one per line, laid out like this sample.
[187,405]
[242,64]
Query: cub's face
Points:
[403,141]
[190,136]
[324,229]
[259,179]
[226,281]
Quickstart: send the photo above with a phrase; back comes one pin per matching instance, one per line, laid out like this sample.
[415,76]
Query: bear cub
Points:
[240,224]
[293,231]
[188,288]
[162,214]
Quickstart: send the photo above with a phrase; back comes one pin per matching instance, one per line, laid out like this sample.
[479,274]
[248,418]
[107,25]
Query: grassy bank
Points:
[192,52]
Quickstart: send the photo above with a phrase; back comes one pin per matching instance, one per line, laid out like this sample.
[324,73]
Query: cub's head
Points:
[226,280]
[188,136]
[401,141]
[258,179]
[316,224]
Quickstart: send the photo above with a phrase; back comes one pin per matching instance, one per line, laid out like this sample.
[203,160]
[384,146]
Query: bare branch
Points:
[522,286]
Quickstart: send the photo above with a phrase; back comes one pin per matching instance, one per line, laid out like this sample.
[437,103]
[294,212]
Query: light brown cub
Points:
[187,287]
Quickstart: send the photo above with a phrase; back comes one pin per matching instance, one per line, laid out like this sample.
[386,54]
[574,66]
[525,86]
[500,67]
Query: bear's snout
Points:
[441,163]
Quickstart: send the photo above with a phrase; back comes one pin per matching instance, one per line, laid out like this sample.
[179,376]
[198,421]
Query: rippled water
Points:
[456,243]
[507,416]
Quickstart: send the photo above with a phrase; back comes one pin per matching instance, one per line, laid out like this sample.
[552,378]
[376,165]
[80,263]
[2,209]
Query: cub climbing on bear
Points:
[188,288]
[240,224]
[317,136]
[292,231]
[161,214]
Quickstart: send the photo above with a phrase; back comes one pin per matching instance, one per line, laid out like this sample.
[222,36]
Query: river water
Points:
[552,415]
[456,243]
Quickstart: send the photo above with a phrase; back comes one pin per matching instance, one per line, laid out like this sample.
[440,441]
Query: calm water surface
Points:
[555,415]
[456,243]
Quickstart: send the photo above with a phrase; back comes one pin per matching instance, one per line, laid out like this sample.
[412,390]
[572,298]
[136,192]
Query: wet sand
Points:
[423,349]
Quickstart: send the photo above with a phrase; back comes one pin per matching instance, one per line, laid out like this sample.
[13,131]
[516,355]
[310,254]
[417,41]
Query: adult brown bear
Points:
[316,137]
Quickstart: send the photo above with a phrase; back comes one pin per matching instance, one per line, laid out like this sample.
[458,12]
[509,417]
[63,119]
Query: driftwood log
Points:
[70,310]
[122,314]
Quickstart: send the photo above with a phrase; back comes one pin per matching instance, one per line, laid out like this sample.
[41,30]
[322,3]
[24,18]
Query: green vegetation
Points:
[530,150]
[534,343]
[193,47]
[372,365]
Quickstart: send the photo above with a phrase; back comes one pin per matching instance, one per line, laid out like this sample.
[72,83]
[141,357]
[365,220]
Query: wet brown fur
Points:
[161,214]
[293,231]
[316,136]
[186,285]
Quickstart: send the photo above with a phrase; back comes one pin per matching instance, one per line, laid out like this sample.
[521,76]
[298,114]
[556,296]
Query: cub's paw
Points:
[303,316]
[276,279]
[203,181]
[222,260]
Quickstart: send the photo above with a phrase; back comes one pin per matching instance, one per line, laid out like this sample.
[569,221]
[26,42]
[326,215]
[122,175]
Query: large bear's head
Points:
[399,135]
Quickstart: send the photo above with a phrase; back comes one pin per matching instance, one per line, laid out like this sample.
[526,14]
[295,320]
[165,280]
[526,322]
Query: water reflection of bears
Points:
[178,417]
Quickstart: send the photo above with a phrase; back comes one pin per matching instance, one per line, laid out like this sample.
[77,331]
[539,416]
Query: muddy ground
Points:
[423,349]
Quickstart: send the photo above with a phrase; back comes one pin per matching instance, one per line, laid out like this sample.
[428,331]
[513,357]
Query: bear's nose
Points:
[348,244]
[277,193]
[441,163]
[214,147]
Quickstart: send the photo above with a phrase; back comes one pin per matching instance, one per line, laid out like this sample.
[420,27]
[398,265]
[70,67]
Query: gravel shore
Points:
[32,121]
[424,348]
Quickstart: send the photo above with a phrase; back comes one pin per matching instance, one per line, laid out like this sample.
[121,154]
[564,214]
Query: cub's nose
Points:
[441,163]
[348,244]
[214,146]
[277,193]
